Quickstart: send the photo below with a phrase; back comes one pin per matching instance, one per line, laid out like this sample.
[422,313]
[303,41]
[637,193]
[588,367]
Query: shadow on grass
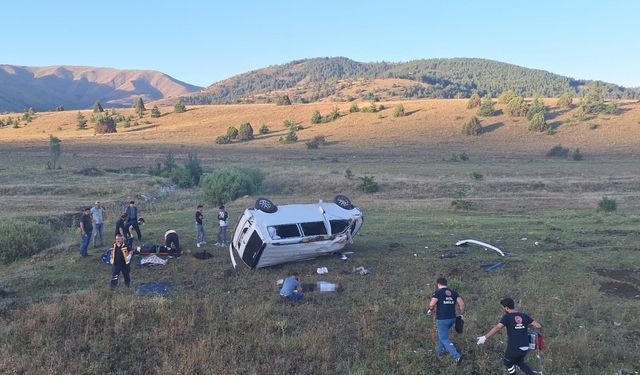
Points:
[492,127]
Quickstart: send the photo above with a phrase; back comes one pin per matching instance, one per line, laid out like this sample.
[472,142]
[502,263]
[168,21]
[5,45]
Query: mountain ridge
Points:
[324,78]
[79,87]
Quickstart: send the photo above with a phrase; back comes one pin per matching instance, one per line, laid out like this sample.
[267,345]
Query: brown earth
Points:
[626,285]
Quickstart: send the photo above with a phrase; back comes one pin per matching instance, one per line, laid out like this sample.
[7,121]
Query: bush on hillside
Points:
[82,121]
[245,133]
[97,107]
[537,106]
[538,123]
[487,108]
[104,124]
[399,111]
[283,100]
[317,141]
[179,107]
[232,132]
[472,127]
[565,100]
[516,107]
[264,129]
[611,109]
[229,183]
[474,101]
[21,239]
[506,97]
[316,117]
[155,112]
[368,185]
[577,155]
[593,101]
[354,108]
[291,137]
[607,205]
[223,139]
[558,152]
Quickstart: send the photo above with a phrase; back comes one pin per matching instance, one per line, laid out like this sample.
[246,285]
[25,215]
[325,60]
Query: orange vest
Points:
[125,253]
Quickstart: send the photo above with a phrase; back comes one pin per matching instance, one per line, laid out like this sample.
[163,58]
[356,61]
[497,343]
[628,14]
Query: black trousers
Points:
[515,357]
[136,227]
[115,274]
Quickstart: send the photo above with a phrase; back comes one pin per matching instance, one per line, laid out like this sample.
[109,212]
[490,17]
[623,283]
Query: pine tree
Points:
[139,107]
[179,107]
[82,121]
[97,108]
[155,112]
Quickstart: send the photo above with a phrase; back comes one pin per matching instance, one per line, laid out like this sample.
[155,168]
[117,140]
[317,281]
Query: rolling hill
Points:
[78,87]
[340,79]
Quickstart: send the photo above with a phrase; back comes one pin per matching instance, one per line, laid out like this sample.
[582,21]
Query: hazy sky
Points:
[200,43]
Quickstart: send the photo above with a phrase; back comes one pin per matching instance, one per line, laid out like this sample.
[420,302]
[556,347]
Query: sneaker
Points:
[198,244]
[458,361]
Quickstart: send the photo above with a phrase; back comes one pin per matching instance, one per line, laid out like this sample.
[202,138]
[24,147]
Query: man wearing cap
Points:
[517,324]
[99,215]
[86,229]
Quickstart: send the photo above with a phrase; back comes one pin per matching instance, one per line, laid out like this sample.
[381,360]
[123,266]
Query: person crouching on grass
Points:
[120,259]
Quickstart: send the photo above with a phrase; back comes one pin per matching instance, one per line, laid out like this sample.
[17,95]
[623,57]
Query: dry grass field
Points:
[574,269]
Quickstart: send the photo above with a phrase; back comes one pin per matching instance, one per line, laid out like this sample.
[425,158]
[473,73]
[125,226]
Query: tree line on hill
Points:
[435,78]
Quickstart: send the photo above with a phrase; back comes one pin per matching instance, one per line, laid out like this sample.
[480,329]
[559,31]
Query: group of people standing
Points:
[445,300]
[223,219]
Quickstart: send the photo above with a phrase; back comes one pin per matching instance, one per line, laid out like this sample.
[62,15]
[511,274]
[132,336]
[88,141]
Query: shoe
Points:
[217,244]
[458,361]
[203,242]
[198,244]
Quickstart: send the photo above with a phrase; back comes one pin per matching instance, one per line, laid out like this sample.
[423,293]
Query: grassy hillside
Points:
[316,79]
[571,267]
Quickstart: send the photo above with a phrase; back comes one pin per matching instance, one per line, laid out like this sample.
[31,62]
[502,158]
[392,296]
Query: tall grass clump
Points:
[368,185]
[607,205]
[21,239]
[229,183]
[472,127]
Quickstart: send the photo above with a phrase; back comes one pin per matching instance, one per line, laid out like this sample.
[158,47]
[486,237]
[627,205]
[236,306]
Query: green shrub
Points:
[474,101]
[21,239]
[332,116]
[97,107]
[291,137]
[536,107]
[565,100]
[558,152]
[82,121]
[607,205]
[223,139]
[291,125]
[348,174]
[354,108]
[155,112]
[229,183]
[368,185]
[538,123]
[472,127]
[179,107]
[486,109]
[180,177]
[611,109]
[593,101]
[264,129]
[193,167]
[477,176]
[283,100]
[317,141]
[506,97]
[399,111]
[593,126]
[316,117]
[245,133]
[577,155]
[516,107]
[232,132]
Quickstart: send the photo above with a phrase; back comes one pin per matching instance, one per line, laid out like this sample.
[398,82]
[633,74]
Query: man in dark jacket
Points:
[120,259]
[86,229]
[132,214]
[517,324]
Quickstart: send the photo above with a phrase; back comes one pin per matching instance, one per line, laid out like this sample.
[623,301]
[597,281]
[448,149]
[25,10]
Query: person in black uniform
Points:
[446,300]
[517,324]
[121,224]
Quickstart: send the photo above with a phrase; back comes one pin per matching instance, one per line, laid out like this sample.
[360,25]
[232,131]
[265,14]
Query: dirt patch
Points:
[6,293]
[631,276]
[627,282]
[618,289]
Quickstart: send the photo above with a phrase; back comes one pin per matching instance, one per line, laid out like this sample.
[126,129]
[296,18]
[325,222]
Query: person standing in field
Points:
[223,218]
[517,324]
[86,229]
[120,259]
[99,216]
[446,300]
[132,214]
[200,226]
[121,224]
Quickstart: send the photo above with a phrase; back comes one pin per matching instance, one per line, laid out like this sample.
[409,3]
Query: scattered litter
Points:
[343,257]
[426,247]
[153,260]
[452,254]
[280,282]
[465,242]
[154,288]
[617,324]
[536,243]
[415,255]
[322,270]
[523,239]
[492,266]
[360,270]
